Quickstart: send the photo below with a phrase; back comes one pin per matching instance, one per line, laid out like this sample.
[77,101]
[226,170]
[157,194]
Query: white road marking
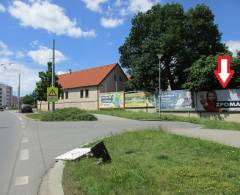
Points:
[25,140]
[24,154]
[20,119]
[19,181]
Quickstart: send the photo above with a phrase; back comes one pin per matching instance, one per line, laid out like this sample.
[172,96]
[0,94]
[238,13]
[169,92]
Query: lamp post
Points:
[53,73]
[19,93]
[159,83]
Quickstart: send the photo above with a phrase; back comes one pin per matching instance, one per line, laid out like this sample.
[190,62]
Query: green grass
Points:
[207,123]
[66,114]
[155,162]
[35,116]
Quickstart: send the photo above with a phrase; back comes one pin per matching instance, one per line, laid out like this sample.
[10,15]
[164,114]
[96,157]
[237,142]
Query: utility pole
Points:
[53,73]
[159,83]
[19,94]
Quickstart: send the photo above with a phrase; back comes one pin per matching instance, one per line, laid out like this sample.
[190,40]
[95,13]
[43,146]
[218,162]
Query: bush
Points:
[68,114]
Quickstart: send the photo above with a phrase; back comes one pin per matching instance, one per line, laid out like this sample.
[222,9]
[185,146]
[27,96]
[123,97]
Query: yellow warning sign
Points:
[52,94]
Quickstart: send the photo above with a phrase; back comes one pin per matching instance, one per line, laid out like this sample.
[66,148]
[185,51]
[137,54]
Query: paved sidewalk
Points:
[227,137]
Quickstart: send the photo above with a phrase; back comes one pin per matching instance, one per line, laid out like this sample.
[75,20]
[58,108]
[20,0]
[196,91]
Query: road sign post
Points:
[52,94]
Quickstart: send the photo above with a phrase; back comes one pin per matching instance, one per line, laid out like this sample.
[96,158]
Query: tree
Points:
[28,99]
[201,73]
[44,83]
[181,37]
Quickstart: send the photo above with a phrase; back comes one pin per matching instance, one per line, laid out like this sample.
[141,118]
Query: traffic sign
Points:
[224,72]
[52,94]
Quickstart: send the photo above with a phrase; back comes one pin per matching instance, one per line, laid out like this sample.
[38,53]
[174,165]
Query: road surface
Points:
[27,147]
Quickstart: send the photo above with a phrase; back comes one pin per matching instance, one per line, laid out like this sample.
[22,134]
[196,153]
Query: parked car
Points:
[1,108]
[25,108]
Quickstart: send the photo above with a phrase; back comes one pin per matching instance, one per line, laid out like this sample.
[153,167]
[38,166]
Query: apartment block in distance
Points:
[5,95]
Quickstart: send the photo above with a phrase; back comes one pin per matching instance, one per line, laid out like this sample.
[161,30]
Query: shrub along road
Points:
[36,143]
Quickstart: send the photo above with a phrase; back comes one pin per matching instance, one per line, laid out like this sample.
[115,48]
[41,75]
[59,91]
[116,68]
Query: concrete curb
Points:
[52,181]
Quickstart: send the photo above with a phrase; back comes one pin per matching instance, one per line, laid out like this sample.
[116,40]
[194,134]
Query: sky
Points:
[88,33]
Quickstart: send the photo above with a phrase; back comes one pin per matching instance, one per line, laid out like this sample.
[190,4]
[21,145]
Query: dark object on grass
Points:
[100,151]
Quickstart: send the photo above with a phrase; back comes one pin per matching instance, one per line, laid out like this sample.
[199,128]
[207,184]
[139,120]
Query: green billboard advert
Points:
[139,100]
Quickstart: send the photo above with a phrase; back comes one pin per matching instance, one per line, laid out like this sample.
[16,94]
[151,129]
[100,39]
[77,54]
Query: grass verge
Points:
[208,123]
[155,162]
[66,114]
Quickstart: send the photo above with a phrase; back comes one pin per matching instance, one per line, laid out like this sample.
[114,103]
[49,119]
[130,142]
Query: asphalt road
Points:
[28,148]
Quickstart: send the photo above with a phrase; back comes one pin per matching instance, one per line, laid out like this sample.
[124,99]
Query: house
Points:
[81,88]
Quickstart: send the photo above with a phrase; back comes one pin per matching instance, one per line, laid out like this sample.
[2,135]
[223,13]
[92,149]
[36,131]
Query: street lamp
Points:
[19,92]
[159,83]
[53,73]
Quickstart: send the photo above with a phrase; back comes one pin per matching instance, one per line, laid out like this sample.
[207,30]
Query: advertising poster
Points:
[111,100]
[139,100]
[175,100]
[219,100]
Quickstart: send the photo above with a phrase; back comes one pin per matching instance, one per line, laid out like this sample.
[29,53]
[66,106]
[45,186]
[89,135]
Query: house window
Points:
[66,95]
[81,94]
[86,93]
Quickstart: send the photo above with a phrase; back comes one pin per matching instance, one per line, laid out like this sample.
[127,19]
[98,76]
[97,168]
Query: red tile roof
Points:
[84,78]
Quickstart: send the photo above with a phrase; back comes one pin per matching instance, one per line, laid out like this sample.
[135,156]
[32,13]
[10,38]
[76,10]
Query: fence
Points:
[177,100]
[222,101]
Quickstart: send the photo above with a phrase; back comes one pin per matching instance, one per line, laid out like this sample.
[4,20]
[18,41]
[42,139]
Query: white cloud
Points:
[20,54]
[111,22]
[4,50]
[123,12]
[35,43]
[2,8]
[94,5]
[140,5]
[44,54]
[233,46]
[48,16]
[9,70]
[29,77]
[61,72]
[118,3]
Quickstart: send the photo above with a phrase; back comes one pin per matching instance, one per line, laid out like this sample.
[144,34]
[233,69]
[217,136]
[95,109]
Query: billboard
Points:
[139,100]
[111,100]
[175,100]
[218,100]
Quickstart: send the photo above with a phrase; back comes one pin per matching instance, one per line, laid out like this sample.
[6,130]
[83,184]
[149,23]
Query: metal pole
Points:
[159,85]
[53,72]
[19,94]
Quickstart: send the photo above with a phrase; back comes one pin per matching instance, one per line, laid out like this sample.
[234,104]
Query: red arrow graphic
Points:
[224,72]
